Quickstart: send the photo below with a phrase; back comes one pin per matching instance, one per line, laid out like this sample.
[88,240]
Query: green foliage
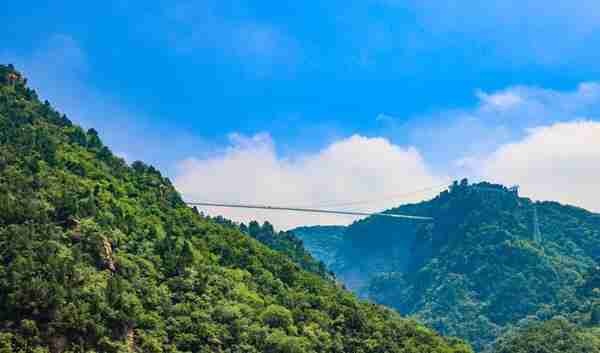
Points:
[99,256]
[285,242]
[478,269]
[277,316]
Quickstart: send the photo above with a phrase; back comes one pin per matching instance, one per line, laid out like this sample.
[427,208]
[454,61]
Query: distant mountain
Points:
[489,261]
[100,256]
[322,242]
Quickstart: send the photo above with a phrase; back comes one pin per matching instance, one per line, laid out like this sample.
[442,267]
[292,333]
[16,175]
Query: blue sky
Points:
[188,84]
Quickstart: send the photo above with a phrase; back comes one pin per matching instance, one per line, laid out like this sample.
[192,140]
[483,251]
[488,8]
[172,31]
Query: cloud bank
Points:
[547,141]
[351,169]
[556,162]
[456,141]
[543,139]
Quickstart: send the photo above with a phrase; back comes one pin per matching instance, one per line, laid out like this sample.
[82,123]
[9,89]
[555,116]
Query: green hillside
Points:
[481,267]
[100,256]
[284,242]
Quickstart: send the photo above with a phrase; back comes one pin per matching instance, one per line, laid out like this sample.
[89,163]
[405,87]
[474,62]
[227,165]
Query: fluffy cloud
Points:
[555,162]
[456,141]
[355,168]
[531,136]
[499,101]
[546,140]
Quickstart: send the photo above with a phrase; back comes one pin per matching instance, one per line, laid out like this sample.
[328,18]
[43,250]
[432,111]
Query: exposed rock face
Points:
[58,344]
[130,338]
[107,255]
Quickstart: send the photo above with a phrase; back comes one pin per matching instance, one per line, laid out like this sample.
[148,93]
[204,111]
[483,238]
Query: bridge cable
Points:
[308,210]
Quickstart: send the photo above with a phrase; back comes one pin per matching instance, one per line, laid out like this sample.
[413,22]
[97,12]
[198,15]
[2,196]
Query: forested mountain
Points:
[490,261]
[99,256]
[322,242]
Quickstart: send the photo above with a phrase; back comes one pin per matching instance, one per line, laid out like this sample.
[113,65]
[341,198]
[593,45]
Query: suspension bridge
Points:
[309,210]
[327,211]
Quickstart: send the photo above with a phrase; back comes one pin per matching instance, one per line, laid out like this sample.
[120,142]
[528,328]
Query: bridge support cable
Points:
[308,210]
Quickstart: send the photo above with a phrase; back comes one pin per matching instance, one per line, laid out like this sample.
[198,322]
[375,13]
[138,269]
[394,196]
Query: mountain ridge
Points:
[489,260]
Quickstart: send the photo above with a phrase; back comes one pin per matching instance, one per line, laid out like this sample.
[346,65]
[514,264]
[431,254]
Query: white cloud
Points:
[527,135]
[500,101]
[456,141]
[355,168]
[546,140]
[556,162]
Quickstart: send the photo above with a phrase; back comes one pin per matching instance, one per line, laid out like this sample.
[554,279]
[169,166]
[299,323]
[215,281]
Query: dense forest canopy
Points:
[100,256]
[284,242]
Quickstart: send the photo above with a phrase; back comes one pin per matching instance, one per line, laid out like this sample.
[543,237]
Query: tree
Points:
[277,316]
[93,140]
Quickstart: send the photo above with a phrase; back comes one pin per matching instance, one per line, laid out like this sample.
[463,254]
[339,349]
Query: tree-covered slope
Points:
[481,266]
[284,242]
[322,242]
[96,255]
